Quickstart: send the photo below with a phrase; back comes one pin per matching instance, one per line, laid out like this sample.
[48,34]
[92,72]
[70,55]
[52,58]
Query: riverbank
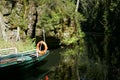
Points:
[20,45]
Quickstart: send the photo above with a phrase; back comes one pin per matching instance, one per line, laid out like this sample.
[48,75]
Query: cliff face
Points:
[18,19]
[27,18]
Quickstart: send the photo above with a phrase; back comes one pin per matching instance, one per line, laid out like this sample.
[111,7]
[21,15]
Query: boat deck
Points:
[21,58]
[18,58]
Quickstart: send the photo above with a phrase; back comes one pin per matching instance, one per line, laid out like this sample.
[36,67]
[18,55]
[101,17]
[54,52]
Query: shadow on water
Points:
[36,72]
[94,63]
[31,73]
[61,64]
[57,65]
[103,56]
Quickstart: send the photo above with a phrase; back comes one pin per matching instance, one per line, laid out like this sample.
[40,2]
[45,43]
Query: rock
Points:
[6,9]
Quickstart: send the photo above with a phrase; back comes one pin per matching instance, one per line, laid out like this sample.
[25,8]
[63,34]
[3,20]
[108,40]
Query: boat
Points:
[24,59]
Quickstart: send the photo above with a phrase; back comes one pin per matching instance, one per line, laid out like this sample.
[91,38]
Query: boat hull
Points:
[31,60]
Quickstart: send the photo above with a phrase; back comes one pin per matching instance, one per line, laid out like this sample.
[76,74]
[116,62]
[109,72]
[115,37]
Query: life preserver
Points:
[38,47]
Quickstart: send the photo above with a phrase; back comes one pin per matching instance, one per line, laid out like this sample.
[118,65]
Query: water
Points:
[103,56]
[36,72]
[99,61]
[61,65]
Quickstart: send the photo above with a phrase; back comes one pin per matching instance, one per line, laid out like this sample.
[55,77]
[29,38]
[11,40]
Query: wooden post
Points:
[18,34]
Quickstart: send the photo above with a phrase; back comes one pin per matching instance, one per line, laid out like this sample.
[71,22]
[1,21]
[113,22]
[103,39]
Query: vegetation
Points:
[102,20]
[97,21]
[58,18]
[21,46]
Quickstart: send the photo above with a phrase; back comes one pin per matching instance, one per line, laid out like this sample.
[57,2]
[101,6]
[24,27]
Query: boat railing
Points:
[28,51]
[18,56]
[8,51]
[33,51]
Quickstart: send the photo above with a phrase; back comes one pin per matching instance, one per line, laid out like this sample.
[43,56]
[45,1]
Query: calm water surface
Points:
[100,61]
[36,72]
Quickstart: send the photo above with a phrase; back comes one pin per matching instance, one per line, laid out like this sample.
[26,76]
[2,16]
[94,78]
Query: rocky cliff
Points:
[27,18]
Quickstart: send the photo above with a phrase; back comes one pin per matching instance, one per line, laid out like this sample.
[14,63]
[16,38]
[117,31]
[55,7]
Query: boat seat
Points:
[7,60]
[24,58]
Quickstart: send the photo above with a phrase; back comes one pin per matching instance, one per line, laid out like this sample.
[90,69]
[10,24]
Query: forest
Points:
[90,27]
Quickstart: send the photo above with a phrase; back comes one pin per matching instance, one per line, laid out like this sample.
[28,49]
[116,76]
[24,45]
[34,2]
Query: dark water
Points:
[36,72]
[98,61]
[103,51]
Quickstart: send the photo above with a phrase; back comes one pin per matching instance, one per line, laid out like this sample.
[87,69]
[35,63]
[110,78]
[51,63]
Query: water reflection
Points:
[76,65]
[67,68]
[70,64]
[103,56]
[36,72]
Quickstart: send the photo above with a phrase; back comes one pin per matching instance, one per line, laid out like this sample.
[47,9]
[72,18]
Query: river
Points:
[99,61]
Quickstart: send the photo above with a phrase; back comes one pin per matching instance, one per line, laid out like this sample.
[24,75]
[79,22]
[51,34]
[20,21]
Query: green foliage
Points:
[70,52]
[55,11]
[53,15]
[58,13]
[18,17]
[70,40]
[21,46]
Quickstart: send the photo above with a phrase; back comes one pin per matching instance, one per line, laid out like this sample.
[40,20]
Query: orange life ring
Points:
[38,47]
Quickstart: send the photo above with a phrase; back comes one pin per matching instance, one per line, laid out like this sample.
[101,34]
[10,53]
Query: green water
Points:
[66,64]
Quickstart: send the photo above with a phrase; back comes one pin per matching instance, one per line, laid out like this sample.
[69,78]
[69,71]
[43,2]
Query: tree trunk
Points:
[77,6]
[77,55]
